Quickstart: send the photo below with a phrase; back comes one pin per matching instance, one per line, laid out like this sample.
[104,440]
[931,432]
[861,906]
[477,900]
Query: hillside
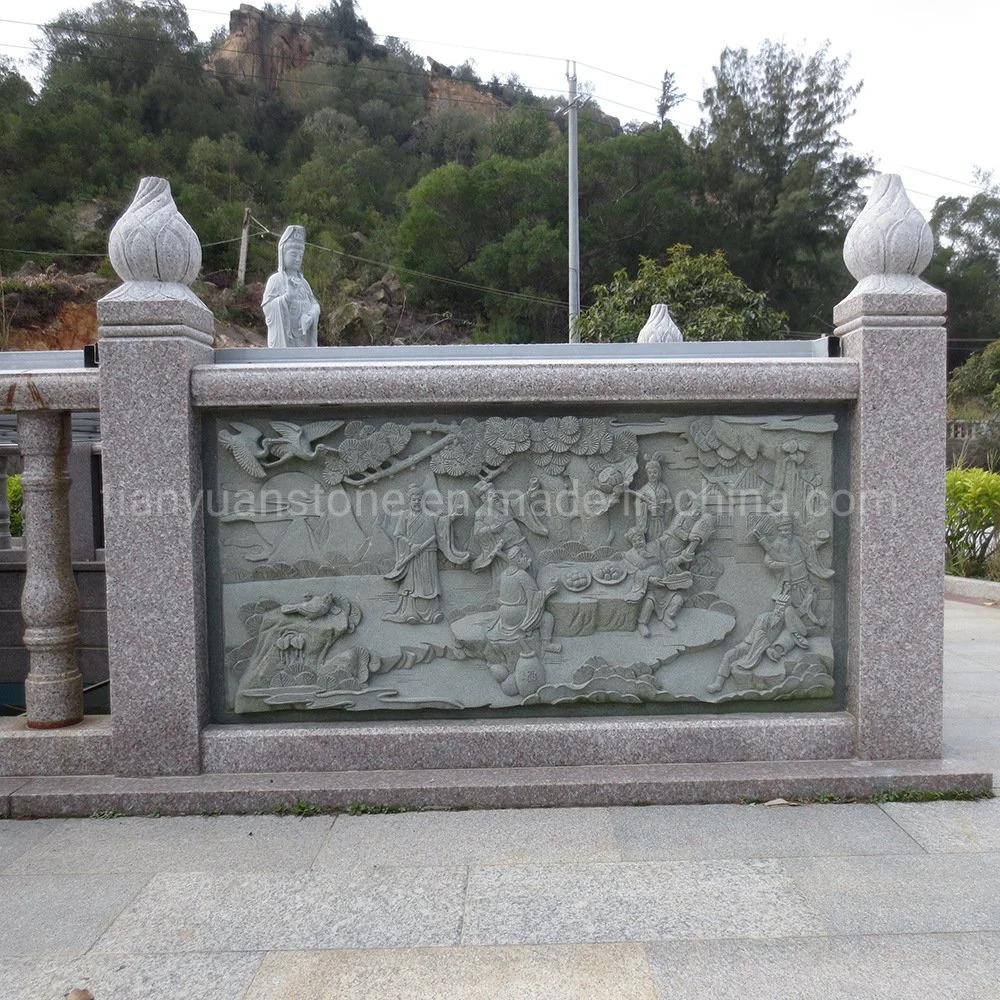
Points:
[397,164]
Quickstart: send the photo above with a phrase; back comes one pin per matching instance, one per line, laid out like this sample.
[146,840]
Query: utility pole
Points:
[574,210]
[241,268]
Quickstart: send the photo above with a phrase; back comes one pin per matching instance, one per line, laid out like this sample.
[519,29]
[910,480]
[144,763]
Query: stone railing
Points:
[43,399]
[179,421]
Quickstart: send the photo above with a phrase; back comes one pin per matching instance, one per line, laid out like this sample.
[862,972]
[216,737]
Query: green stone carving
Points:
[494,562]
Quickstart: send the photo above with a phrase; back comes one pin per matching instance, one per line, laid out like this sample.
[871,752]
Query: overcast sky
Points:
[929,69]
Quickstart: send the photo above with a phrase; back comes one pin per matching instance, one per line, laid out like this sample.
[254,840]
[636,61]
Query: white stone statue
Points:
[660,328]
[290,308]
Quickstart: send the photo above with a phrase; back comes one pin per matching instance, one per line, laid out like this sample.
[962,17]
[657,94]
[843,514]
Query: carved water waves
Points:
[488,563]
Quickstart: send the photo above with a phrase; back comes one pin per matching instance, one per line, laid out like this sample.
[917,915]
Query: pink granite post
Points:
[893,325]
[154,330]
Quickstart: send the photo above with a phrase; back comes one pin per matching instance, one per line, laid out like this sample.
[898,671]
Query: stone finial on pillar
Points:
[660,328]
[53,690]
[886,250]
[892,326]
[157,255]
[154,330]
[890,237]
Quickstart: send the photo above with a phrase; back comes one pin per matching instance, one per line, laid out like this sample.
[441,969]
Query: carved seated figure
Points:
[649,583]
[522,605]
[774,633]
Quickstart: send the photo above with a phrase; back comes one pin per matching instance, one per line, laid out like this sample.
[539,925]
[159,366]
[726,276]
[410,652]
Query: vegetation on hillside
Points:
[465,199]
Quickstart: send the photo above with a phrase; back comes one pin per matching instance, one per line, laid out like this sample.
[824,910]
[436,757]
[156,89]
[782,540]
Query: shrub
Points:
[972,520]
[14,501]
[978,378]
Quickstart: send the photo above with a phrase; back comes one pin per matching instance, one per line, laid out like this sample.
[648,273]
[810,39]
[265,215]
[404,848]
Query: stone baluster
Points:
[53,690]
[892,324]
[4,505]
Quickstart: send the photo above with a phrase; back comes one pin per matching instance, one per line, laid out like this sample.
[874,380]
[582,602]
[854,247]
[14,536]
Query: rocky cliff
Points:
[260,50]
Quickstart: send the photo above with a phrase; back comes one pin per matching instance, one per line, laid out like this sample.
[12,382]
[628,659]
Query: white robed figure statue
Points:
[290,308]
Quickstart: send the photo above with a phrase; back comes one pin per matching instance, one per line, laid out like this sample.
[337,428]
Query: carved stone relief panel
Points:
[472,562]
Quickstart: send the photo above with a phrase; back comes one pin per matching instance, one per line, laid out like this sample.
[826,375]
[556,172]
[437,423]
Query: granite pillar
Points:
[53,690]
[892,324]
[154,330]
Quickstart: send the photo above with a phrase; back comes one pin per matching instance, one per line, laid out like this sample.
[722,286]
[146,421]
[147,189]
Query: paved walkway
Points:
[823,901]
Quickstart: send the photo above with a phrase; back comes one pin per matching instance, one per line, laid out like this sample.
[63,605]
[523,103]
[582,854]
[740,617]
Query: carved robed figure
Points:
[290,308]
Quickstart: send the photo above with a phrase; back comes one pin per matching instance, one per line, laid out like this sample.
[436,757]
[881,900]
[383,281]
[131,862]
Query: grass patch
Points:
[371,809]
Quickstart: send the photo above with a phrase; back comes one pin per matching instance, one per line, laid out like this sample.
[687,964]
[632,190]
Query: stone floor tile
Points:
[972,704]
[950,827]
[896,967]
[965,663]
[673,833]
[20,835]
[476,837]
[902,894]
[553,904]
[559,972]
[982,649]
[260,911]
[178,843]
[7,787]
[976,677]
[194,976]
[60,913]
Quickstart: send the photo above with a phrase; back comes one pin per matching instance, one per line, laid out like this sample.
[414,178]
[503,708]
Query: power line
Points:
[426,274]
[82,253]
[941,177]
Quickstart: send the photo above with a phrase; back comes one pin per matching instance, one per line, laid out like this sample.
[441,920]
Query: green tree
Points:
[780,184]
[121,43]
[340,26]
[978,379]
[670,96]
[707,301]
[636,197]
[966,265]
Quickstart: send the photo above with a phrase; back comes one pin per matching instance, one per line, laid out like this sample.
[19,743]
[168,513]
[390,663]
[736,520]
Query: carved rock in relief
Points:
[488,563]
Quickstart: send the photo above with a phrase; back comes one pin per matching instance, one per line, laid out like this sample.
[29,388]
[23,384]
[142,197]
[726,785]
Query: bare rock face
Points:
[445,93]
[259,50]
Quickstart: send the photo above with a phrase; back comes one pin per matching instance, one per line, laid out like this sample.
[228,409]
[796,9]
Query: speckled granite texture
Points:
[486,788]
[59,389]
[896,562]
[527,381]
[357,746]
[154,552]
[81,749]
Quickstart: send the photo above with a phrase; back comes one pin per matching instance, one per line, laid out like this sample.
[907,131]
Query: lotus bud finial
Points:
[152,241]
[660,328]
[890,236]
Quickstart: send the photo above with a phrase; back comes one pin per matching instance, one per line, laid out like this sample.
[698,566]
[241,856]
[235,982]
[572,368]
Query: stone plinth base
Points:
[487,788]
[81,749]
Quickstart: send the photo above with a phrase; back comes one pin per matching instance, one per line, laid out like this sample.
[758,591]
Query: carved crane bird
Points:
[298,441]
[247,448]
